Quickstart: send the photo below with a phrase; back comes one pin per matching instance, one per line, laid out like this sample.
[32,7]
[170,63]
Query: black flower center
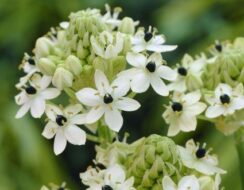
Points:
[225,99]
[182,71]
[148,36]
[107,187]
[61,120]
[200,153]
[177,107]
[30,90]
[218,47]
[31,61]
[61,188]
[107,99]
[151,67]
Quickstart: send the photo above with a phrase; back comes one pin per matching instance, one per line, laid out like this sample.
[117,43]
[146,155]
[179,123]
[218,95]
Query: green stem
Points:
[239,140]
[92,138]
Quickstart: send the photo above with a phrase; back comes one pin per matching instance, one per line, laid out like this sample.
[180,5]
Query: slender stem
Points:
[239,140]
[92,138]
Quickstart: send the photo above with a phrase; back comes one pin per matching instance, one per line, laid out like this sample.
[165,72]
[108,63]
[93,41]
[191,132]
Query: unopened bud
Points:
[43,47]
[62,78]
[73,64]
[46,66]
[127,26]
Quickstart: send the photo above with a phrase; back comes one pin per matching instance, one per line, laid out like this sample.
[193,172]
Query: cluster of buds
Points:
[155,163]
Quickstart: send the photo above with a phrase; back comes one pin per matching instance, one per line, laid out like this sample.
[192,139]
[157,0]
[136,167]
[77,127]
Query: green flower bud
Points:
[207,183]
[46,66]
[153,158]
[127,26]
[43,47]
[62,78]
[73,64]
[193,82]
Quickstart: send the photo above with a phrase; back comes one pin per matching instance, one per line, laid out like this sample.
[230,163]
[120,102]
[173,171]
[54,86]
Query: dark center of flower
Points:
[60,188]
[225,99]
[177,107]
[218,47]
[182,71]
[31,61]
[61,120]
[30,90]
[151,67]
[200,153]
[148,36]
[107,187]
[107,99]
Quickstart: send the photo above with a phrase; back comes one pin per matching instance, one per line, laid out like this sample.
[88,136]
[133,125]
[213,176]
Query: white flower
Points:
[112,178]
[107,100]
[143,41]
[107,45]
[146,72]
[112,18]
[185,183]
[34,97]
[225,101]
[189,72]
[198,158]
[63,125]
[64,24]
[181,114]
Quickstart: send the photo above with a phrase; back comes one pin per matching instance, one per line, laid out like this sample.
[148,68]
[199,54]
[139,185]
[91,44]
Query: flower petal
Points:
[23,110]
[174,128]
[95,114]
[75,135]
[188,122]
[102,82]
[59,142]
[88,97]
[192,97]
[121,87]
[52,111]
[127,104]
[72,109]
[38,107]
[159,86]
[50,130]
[215,111]
[238,103]
[195,109]
[160,48]
[136,59]
[50,93]
[113,119]
[79,119]
[140,83]
[21,98]
[223,89]
[189,182]
[166,73]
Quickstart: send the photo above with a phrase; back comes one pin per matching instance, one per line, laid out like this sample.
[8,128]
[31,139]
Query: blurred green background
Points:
[26,159]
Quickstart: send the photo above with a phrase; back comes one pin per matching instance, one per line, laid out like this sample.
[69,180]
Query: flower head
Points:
[63,125]
[146,72]
[225,100]
[181,114]
[107,100]
[33,97]
[198,158]
[148,41]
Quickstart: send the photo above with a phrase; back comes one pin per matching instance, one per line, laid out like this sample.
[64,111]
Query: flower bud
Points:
[193,82]
[43,47]
[207,183]
[62,78]
[73,64]
[127,26]
[46,66]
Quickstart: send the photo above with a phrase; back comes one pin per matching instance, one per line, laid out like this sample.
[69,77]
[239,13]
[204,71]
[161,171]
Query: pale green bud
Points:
[62,78]
[193,82]
[127,26]
[73,64]
[207,183]
[43,47]
[46,66]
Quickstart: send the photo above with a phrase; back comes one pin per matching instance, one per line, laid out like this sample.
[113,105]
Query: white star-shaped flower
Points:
[146,72]
[225,101]
[185,183]
[188,72]
[181,114]
[63,125]
[107,100]
[147,41]
[198,158]
[112,178]
[107,45]
[34,96]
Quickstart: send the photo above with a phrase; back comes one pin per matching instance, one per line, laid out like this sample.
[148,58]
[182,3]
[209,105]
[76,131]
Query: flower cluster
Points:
[85,59]
[156,163]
